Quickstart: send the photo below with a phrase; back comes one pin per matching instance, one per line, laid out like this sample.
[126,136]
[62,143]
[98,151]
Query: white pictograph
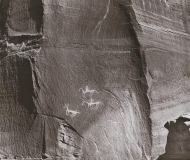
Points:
[92,103]
[69,112]
[87,90]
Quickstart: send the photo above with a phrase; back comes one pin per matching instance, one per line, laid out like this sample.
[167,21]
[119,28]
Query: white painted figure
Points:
[87,90]
[92,103]
[69,112]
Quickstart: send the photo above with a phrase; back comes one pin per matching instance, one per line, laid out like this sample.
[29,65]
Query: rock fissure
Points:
[60,118]
[133,55]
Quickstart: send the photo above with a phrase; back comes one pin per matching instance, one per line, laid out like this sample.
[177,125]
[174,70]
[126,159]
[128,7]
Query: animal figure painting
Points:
[69,112]
[92,103]
[87,91]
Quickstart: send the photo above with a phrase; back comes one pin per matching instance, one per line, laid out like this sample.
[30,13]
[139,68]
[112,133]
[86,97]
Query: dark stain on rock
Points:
[25,83]
[36,12]
[4,6]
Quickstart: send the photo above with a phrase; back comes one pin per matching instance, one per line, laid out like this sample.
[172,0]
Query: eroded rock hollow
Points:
[94,79]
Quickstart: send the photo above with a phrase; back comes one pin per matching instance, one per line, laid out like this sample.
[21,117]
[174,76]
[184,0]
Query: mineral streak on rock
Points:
[94,79]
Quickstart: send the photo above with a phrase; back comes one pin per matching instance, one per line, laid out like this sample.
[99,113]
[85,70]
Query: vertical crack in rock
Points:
[178,139]
[36,79]
[44,142]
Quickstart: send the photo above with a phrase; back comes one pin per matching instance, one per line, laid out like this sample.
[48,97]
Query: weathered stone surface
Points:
[164,37]
[94,79]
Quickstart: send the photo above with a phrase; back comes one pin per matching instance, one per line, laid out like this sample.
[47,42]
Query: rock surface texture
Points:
[95,79]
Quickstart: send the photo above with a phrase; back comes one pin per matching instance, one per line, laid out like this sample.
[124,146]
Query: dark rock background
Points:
[130,58]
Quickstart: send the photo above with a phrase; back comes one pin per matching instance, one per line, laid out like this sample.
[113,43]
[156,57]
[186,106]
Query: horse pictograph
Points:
[69,112]
[87,91]
[92,103]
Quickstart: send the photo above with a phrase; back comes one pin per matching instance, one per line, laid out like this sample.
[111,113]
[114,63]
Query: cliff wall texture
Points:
[94,79]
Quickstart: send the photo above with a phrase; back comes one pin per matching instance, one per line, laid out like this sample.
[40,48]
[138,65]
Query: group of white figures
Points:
[91,104]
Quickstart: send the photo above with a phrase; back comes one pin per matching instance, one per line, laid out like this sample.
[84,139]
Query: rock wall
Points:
[164,38]
[92,79]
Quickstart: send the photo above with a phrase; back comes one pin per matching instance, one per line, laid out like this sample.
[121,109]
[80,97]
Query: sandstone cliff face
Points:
[164,37]
[94,80]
